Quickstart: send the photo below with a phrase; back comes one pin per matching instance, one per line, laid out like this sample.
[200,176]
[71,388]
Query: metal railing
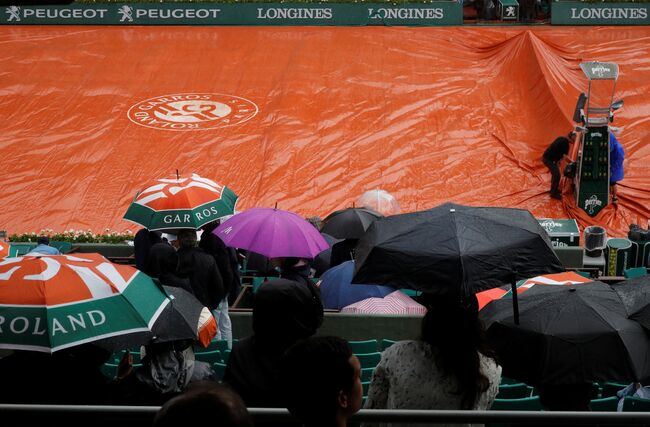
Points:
[142,416]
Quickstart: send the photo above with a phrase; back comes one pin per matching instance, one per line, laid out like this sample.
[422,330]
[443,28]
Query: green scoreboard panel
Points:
[593,171]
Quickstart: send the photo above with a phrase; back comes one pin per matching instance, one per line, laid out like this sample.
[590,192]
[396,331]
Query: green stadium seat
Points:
[411,292]
[63,247]
[109,370]
[369,360]
[366,374]
[367,346]
[609,389]
[221,345]
[635,404]
[506,380]
[605,404]
[366,387]
[514,391]
[257,282]
[523,404]
[209,356]
[226,355]
[631,273]
[386,343]
[219,370]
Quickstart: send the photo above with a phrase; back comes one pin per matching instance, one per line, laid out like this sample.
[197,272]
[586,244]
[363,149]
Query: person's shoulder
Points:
[402,347]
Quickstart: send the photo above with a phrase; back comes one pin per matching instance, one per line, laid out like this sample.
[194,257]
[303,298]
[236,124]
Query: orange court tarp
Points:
[305,117]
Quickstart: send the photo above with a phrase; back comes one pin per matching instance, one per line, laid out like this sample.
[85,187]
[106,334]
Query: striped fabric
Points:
[566,278]
[393,303]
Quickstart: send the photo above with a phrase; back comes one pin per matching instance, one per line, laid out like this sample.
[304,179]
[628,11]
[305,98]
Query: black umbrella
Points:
[454,249]
[635,294]
[181,317]
[350,223]
[569,334]
[322,261]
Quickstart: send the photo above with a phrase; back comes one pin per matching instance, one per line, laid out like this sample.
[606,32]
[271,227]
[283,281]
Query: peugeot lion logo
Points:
[126,13]
[14,13]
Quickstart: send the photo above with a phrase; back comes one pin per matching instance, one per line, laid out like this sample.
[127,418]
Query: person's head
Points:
[205,402]
[210,226]
[452,327]
[162,259]
[322,381]
[285,311]
[565,397]
[187,239]
[43,240]
[316,221]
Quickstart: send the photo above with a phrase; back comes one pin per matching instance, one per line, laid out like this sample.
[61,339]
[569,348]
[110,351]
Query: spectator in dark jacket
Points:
[283,313]
[162,264]
[229,270]
[201,269]
[142,243]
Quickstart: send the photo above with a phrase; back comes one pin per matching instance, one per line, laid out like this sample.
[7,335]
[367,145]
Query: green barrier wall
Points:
[345,325]
[579,13]
[429,14]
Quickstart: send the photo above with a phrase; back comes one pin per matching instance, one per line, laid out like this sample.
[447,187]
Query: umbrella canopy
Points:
[51,302]
[635,294]
[273,233]
[322,261]
[394,303]
[183,202]
[184,318]
[336,289]
[380,201]
[568,335]
[349,223]
[454,249]
[566,278]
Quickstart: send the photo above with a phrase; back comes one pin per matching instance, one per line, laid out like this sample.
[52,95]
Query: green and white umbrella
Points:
[49,303]
[183,202]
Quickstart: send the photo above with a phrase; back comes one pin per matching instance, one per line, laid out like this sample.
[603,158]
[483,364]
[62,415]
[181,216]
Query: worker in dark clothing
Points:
[557,151]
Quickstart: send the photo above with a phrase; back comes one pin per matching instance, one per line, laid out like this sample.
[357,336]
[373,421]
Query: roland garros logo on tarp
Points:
[192,111]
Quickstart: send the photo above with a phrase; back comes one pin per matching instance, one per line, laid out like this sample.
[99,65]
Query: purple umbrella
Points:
[273,233]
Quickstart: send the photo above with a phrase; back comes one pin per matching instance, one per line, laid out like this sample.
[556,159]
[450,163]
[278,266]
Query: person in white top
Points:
[450,367]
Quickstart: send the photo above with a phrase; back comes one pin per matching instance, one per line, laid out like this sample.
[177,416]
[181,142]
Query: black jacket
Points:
[202,271]
[283,313]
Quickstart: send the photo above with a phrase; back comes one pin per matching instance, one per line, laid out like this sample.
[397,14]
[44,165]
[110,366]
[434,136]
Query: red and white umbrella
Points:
[4,249]
[566,278]
[394,303]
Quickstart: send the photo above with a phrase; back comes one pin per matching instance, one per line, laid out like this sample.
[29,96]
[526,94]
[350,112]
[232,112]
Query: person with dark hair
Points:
[322,381]
[295,269]
[162,263]
[143,241]
[450,367]
[205,403]
[283,313]
[201,269]
[558,150]
[43,247]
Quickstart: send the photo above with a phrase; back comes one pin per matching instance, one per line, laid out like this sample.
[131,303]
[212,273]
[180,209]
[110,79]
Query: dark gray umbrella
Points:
[180,318]
[569,334]
[350,223]
[635,294]
[454,249]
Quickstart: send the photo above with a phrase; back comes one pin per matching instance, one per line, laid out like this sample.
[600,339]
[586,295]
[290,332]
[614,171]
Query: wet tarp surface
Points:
[309,118]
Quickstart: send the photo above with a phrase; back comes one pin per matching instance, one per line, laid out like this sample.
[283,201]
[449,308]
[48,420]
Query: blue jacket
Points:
[616,157]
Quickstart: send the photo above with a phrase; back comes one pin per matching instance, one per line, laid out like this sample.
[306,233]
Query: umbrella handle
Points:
[515,299]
